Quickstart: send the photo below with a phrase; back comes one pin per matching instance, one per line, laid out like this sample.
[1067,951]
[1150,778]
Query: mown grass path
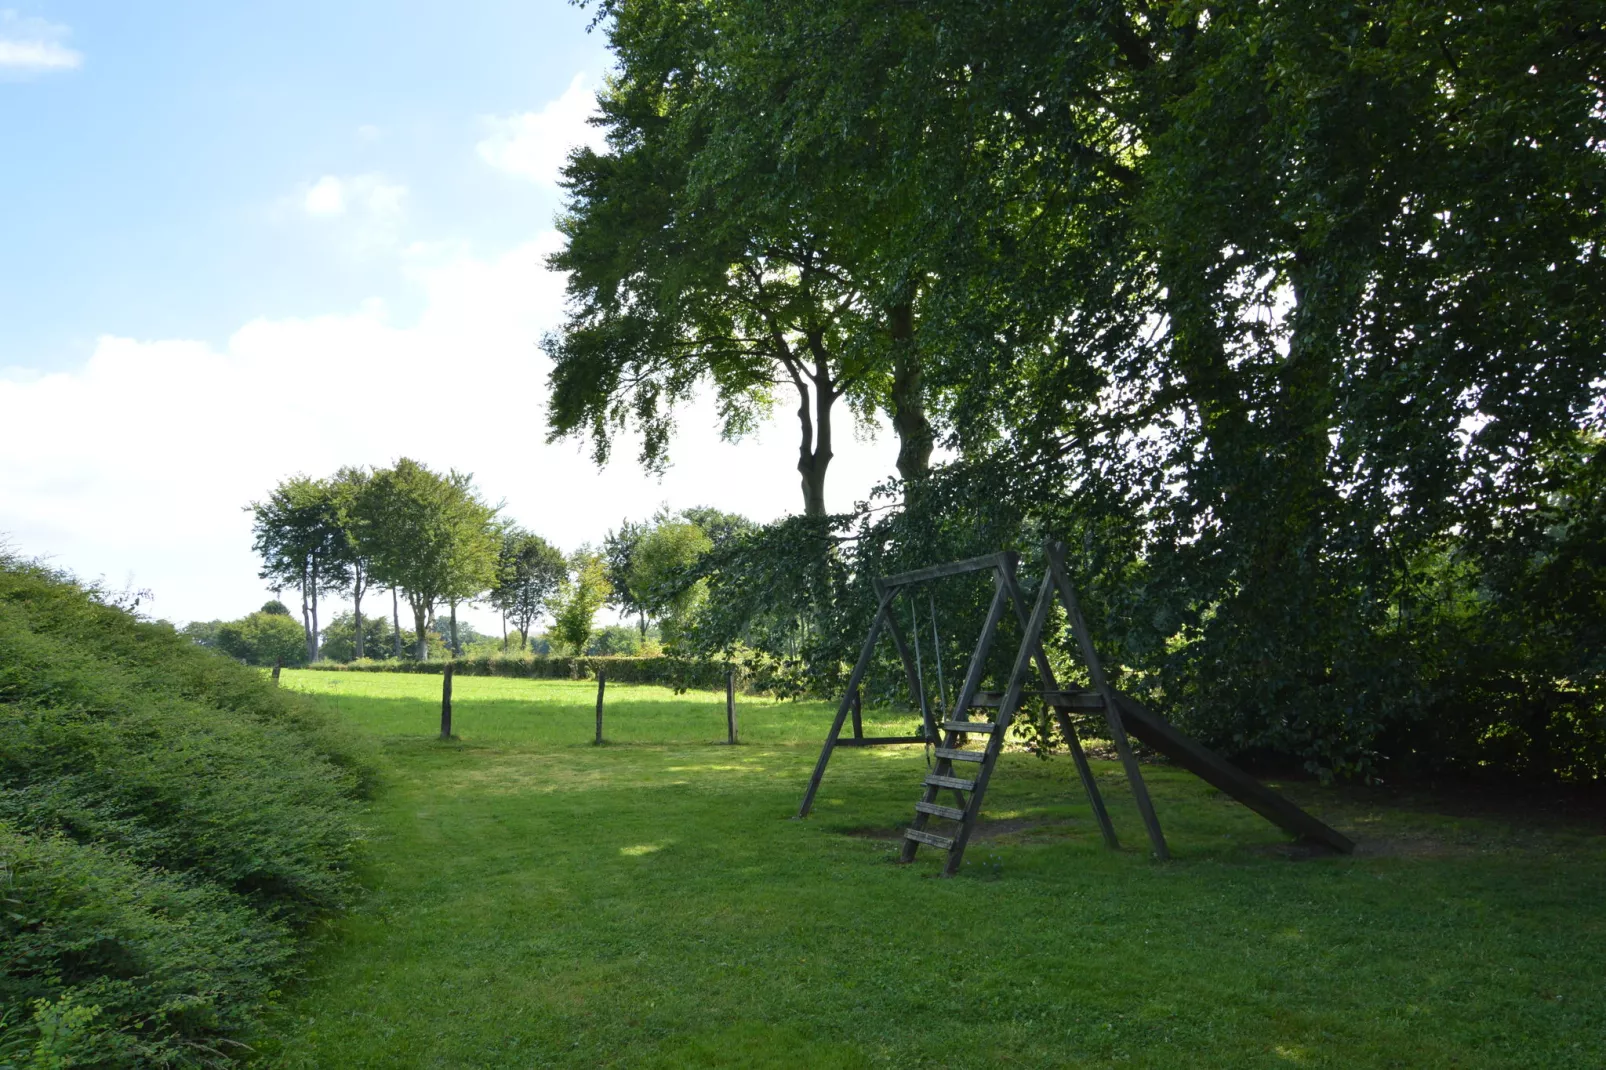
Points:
[538,901]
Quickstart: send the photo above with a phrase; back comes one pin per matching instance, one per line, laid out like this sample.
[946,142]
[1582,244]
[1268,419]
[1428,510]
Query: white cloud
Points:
[368,195]
[138,463]
[326,197]
[30,46]
[535,145]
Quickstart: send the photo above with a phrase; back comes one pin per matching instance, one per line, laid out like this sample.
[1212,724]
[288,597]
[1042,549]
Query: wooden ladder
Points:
[1008,702]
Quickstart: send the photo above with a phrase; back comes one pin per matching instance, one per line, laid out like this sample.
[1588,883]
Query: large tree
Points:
[1273,307]
[430,536]
[619,556]
[583,592]
[660,572]
[706,250]
[529,571]
[347,489]
[298,534]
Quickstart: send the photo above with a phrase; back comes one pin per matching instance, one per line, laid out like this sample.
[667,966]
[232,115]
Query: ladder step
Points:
[986,727]
[952,813]
[1074,700]
[935,781]
[960,755]
[944,842]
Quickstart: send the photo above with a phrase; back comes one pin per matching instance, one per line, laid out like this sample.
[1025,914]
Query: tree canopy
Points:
[529,572]
[1288,317]
[302,543]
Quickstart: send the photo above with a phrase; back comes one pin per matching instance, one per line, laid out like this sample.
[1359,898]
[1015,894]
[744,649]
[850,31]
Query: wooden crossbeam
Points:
[952,568]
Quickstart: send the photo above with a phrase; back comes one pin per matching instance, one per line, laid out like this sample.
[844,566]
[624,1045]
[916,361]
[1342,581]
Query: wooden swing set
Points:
[1125,716]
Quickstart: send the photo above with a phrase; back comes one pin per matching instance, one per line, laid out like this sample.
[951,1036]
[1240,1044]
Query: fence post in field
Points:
[278,663]
[730,706]
[602,683]
[858,716]
[446,702]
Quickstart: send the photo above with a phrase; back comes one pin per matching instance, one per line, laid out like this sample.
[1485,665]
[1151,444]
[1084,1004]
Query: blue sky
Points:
[144,189]
[243,241]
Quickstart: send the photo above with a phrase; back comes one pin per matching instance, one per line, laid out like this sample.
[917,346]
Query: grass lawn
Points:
[538,901]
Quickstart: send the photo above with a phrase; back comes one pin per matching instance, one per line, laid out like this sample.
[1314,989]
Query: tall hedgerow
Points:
[170,823]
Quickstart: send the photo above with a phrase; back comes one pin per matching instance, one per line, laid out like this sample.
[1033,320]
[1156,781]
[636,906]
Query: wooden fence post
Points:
[730,706]
[858,716]
[446,702]
[602,683]
[278,663]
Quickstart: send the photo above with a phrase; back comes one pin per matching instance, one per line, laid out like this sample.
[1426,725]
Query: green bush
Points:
[261,638]
[169,824]
[756,673]
[670,672]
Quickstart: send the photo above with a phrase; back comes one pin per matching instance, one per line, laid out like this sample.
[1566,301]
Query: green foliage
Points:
[650,565]
[169,824]
[658,574]
[529,572]
[1279,315]
[754,673]
[340,638]
[583,592]
[429,535]
[275,607]
[300,536]
[701,253]
[202,632]
[55,1037]
[615,640]
[262,638]
[619,554]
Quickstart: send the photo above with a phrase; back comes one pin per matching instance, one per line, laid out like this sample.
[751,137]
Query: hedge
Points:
[172,826]
[670,672]
[756,675]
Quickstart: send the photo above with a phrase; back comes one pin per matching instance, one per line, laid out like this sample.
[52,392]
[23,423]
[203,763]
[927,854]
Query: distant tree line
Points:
[432,541]
[1290,319]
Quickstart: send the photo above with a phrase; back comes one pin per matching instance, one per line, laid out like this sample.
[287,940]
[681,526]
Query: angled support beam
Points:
[1045,675]
[856,678]
[1054,558]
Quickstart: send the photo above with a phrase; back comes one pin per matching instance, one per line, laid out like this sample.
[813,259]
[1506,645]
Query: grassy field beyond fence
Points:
[539,901]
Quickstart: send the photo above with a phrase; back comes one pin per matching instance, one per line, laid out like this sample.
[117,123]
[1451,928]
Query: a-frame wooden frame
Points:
[1006,590]
[1122,714]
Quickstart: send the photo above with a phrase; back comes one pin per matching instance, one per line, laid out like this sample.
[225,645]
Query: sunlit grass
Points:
[540,901]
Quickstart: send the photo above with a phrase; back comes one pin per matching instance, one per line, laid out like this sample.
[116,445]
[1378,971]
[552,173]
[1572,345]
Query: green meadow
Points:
[537,901]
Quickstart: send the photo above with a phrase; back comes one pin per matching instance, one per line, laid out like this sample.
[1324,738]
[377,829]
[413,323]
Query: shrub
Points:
[169,824]
[756,672]
[261,638]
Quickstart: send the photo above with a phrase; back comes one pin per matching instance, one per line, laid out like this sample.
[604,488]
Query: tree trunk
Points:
[305,617]
[504,633]
[908,397]
[421,621]
[814,449]
[356,606]
[395,620]
[457,651]
[312,637]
